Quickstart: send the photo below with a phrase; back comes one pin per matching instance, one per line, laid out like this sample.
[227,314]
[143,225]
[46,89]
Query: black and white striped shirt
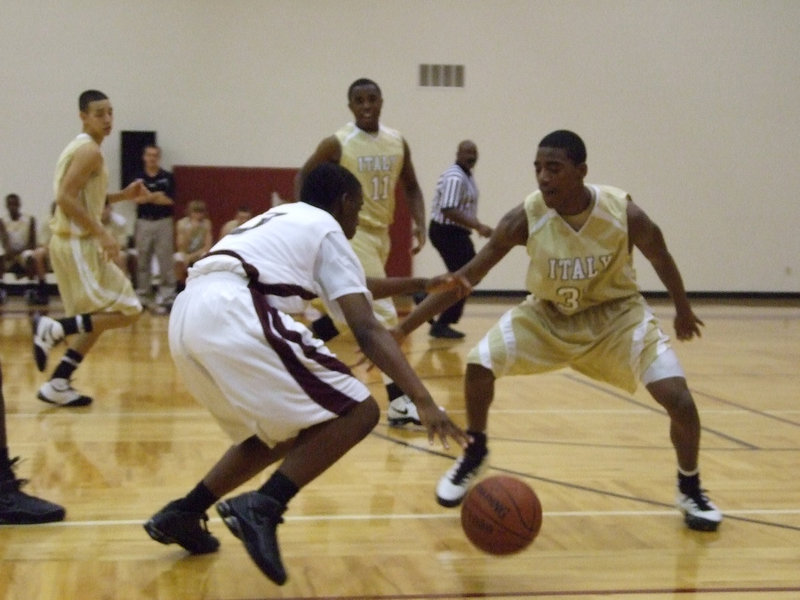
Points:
[456,189]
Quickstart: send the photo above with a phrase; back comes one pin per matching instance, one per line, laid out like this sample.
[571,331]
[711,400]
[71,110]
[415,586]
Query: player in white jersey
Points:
[96,294]
[274,387]
[584,311]
[380,159]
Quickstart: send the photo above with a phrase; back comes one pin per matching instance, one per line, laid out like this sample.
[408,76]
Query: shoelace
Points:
[15,483]
[466,468]
[700,499]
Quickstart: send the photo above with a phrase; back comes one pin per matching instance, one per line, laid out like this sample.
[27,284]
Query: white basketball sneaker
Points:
[47,333]
[455,484]
[699,513]
[402,411]
[61,393]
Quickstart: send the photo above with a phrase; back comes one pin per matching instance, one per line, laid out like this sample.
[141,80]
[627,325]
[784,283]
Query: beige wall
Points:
[692,106]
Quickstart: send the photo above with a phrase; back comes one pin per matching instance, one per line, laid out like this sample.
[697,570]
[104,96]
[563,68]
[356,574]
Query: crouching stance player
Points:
[585,311]
[271,385]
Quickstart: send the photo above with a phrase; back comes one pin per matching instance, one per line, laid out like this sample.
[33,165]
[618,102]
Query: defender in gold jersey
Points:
[96,294]
[380,159]
[584,311]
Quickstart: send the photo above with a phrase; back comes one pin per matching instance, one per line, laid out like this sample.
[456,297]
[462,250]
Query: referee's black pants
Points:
[456,249]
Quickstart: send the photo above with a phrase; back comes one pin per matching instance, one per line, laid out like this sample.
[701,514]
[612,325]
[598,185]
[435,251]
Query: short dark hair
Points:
[569,142]
[359,83]
[88,97]
[12,197]
[326,183]
[154,146]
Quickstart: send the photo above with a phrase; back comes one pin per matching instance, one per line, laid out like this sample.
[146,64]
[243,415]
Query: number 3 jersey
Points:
[376,160]
[575,270]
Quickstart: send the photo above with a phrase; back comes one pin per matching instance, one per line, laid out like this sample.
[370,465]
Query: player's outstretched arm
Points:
[512,230]
[384,287]
[380,347]
[647,237]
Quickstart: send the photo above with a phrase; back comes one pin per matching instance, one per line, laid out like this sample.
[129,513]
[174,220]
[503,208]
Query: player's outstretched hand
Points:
[398,336]
[449,281]
[438,424]
[687,325]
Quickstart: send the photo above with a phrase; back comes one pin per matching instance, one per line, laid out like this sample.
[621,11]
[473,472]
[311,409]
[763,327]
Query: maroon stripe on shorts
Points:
[320,392]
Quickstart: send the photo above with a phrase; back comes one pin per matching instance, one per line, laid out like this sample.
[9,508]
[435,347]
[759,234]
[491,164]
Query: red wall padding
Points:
[224,189]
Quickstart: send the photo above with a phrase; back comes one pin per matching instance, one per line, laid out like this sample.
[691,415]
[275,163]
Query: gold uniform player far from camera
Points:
[379,157]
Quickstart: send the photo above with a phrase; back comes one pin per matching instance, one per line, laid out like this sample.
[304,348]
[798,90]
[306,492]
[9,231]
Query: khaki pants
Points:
[155,238]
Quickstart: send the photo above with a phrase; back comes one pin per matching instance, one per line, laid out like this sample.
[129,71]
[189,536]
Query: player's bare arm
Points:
[380,347]
[413,195]
[328,150]
[645,235]
[384,287]
[512,230]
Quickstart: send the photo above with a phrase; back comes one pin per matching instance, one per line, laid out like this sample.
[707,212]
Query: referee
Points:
[453,217]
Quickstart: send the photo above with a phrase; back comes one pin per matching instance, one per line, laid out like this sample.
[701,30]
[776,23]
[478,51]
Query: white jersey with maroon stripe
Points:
[293,246]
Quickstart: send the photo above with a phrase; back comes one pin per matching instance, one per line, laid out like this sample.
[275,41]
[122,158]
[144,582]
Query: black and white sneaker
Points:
[47,333]
[61,393]
[18,508]
[253,518]
[172,525]
[455,484]
[699,512]
[402,411]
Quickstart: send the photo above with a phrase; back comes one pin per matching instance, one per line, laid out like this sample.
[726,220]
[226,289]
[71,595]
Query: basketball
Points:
[501,515]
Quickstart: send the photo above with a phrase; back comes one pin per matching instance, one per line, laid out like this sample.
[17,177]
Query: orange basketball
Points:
[501,515]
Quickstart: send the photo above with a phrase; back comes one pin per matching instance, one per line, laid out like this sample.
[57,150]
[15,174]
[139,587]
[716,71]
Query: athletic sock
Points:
[76,324]
[393,390]
[477,446]
[198,500]
[688,483]
[68,364]
[279,487]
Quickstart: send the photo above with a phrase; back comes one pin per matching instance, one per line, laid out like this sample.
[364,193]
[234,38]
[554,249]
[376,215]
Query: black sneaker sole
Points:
[449,503]
[158,535]
[31,518]
[400,421]
[79,401]
[699,523]
[162,538]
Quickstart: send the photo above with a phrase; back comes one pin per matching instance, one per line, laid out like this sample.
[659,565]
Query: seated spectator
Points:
[18,238]
[243,214]
[193,239]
